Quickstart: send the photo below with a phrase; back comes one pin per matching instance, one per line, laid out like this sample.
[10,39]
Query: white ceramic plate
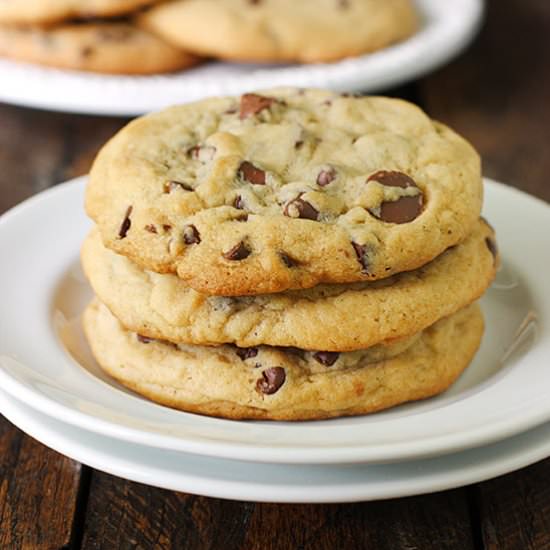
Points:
[238,480]
[448,27]
[45,361]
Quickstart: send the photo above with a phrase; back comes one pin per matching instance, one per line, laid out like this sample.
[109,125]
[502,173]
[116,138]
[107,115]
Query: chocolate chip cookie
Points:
[283,30]
[101,47]
[284,189]
[39,12]
[283,384]
[327,317]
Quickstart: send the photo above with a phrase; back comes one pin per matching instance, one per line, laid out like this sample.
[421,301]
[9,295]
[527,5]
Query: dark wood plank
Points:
[128,515]
[515,509]
[38,493]
[39,149]
[497,94]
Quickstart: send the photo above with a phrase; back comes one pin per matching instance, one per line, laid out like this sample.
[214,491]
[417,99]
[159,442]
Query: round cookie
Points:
[283,30]
[278,384]
[285,190]
[329,318]
[101,47]
[39,12]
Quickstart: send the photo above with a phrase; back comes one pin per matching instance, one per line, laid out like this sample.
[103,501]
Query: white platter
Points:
[447,29]
[45,362]
[237,480]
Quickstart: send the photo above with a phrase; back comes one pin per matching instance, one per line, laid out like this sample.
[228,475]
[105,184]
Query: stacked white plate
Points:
[495,419]
[447,27]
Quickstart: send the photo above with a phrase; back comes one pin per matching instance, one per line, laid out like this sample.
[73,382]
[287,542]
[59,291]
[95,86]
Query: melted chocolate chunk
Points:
[151,228]
[299,208]
[327,358]
[126,224]
[361,250]
[144,339]
[191,235]
[238,252]
[170,186]
[246,353]
[326,176]
[248,172]
[404,209]
[271,381]
[252,104]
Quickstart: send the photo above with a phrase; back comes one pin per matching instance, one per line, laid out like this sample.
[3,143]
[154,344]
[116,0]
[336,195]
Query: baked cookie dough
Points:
[284,190]
[327,317]
[283,30]
[39,12]
[282,385]
[100,47]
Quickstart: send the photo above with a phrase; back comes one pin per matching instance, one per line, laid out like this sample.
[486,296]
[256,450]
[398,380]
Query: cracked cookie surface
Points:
[284,190]
[283,30]
[279,384]
[102,47]
[328,317]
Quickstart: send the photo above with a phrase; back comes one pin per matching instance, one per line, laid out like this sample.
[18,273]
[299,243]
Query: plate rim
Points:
[28,420]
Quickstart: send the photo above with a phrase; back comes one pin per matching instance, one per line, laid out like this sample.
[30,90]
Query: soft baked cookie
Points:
[278,384]
[101,47]
[327,317]
[283,30]
[287,189]
[38,12]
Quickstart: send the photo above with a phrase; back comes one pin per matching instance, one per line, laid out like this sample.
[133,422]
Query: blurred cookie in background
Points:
[103,47]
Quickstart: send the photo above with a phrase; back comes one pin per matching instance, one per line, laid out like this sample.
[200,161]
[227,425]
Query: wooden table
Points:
[498,96]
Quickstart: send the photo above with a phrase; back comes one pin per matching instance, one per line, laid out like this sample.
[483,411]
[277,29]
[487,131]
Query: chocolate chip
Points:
[272,379]
[151,228]
[238,252]
[492,246]
[404,209]
[299,208]
[191,235]
[361,250]
[327,358]
[166,227]
[144,339]
[173,185]
[126,224]
[238,203]
[252,104]
[298,144]
[248,172]
[246,353]
[326,176]
[289,261]
[202,153]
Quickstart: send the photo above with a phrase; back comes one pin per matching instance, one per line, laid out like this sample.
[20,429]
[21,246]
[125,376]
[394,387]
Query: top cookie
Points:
[284,190]
[283,30]
[37,12]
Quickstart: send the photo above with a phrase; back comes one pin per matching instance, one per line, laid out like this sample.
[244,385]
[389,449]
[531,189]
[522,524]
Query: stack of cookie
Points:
[168,36]
[293,254]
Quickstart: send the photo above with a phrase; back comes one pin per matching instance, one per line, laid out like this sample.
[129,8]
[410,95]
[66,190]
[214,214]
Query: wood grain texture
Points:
[497,94]
[124,515]
[515,509]
[38,493]
[39,149]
